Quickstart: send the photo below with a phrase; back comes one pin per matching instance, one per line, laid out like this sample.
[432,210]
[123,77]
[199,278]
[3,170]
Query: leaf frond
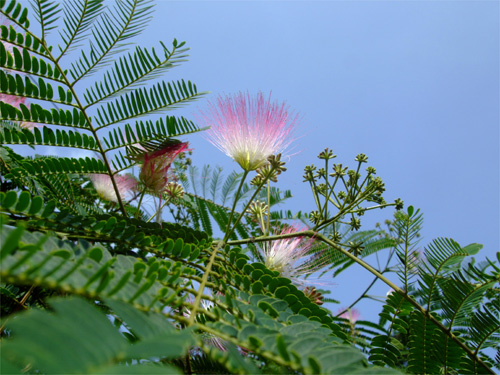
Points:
[143,102]
[78,18]
[110,33]
[133,70]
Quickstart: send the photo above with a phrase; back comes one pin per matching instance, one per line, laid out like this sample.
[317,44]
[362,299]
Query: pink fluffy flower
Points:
[13,100]
[208,338]
[104,186]
[249,129]
[29,125]
[292,257]
[156,165]
[351,314]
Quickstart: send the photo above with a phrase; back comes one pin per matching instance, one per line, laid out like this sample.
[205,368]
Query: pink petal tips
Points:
[351,314]
[104,187]
[155,168]
[249,129]
[292,257]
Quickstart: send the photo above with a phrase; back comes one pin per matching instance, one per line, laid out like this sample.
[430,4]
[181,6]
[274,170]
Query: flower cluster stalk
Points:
[222,243]
[379,275]
[236,198]
[266,232]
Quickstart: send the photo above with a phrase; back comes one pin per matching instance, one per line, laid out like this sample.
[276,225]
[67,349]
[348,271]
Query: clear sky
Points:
[412,84]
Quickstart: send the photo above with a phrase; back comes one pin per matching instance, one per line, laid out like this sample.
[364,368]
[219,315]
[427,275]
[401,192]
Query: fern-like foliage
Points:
[91,284]
[440,333]
[63,111]
[258,301]
[209,203]
[100,348]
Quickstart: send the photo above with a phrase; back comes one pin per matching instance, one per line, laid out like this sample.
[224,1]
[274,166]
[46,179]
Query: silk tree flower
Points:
[249,129]
[156,165]
[13,100]
[352,315]
[29,125]
[104,187]
[292,257]
[208,338]
[16,101]
[313,295]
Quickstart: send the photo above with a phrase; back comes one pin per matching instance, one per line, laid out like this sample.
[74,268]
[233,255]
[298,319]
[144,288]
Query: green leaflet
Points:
[48,137]
[16,12]
[142,102]
[76,28]
[386,348]
[43,166]
[22,61]
[79,269]
[99,347]
[303,345]
[134,69]
[110,34]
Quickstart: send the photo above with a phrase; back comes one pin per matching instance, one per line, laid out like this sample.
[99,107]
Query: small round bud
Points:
[336,237]
[362,158]
[399,204]
[371,170]
[355,223]
[175,190]
[338,170]
[257,210]
[356,248]
[313,295]
[326,154]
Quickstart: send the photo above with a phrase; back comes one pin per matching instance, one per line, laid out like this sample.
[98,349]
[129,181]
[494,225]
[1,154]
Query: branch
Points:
[426,313]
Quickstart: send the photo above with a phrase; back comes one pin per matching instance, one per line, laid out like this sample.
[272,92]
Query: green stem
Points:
[220,244]
[203,283]
[139,204]
[331,189]
[268,207]
[262,223]
[418,307]
[359,298]
[215,250]
[324,209]
[354,179]
[315,194]
[236,197]
[243,212]
[159,209]
[345,209]
[91,128]
[363,295]
[374,207]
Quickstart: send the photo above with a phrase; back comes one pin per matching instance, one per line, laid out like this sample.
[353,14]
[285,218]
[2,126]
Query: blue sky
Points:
[414,85]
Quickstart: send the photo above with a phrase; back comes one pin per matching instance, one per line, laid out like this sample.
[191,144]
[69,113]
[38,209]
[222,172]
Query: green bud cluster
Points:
[270,171]
[257,210]
[347,191]
[356,248]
